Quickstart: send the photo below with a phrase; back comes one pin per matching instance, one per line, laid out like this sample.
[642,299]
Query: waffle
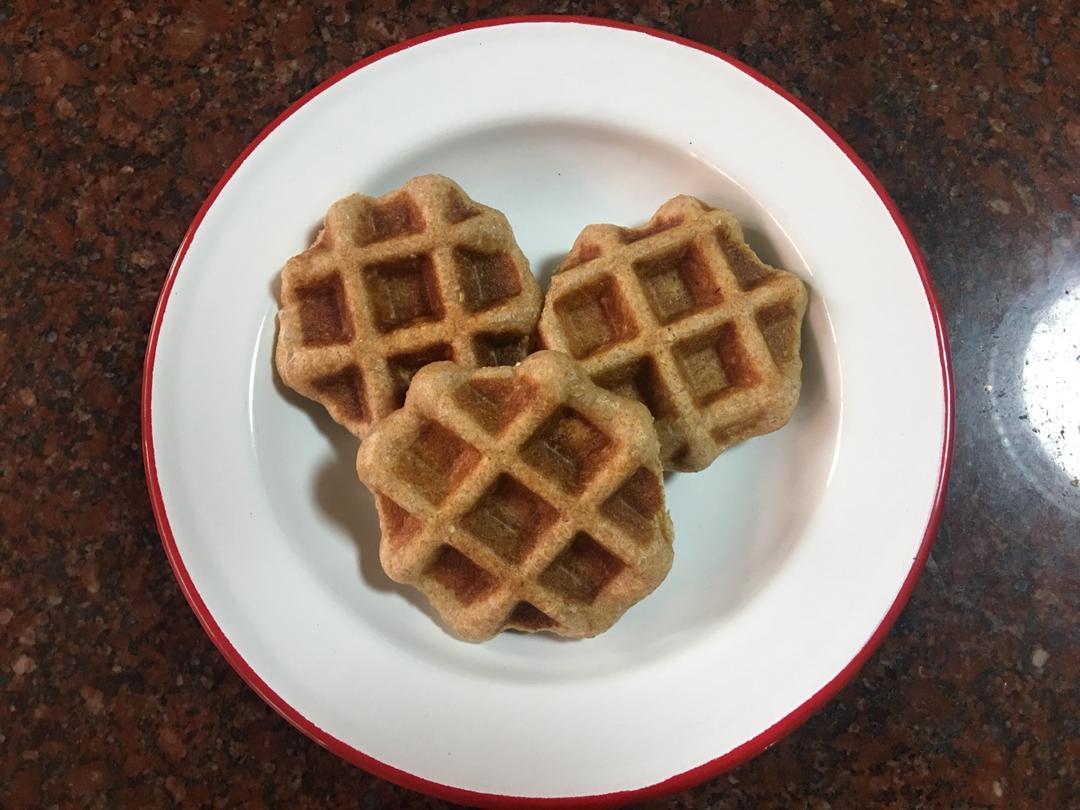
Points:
[681,315]
[522,498]
[390,284]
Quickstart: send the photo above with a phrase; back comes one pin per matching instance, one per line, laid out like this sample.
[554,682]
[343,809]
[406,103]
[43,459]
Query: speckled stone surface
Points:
[117,118]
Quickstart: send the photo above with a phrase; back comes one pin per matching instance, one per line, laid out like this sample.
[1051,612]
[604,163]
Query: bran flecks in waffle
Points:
[681,315]
[391,284]
[523,498]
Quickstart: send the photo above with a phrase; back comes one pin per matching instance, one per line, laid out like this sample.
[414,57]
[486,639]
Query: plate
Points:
[794,551]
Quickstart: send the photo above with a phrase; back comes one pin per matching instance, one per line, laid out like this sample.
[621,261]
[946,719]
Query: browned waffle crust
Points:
[421,274]
[525,498]
[681,315]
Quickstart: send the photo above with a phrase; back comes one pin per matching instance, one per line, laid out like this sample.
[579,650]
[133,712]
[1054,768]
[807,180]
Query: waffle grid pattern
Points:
[391,284]
[523,498]
[681,315]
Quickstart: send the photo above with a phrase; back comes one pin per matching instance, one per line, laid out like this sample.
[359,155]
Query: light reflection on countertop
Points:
[1051,384]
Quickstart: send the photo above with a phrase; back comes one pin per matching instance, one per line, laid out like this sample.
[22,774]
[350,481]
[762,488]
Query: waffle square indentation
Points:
[396,217]
[636,503]
[527,616]
[779,326]
[715,363]
[466,580]
[747,268]
[403,292]
[485,279]
[436,462]
[494,403]
[567,448]
[398,526]
[582,570]
[459,208]
[640,380]
[678,283]
[403,367]
[343,391]
[324,319]
[594,317]
[509,519]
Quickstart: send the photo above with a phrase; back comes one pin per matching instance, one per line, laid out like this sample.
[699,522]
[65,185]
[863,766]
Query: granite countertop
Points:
[116,119]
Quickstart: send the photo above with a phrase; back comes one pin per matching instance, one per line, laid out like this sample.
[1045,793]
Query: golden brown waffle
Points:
[525,498]
[390,284]
[681,315]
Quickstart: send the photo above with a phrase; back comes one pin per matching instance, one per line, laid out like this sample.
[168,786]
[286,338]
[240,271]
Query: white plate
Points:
[794,552]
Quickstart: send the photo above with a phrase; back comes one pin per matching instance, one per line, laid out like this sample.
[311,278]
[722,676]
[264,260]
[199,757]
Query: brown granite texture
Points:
[117,118]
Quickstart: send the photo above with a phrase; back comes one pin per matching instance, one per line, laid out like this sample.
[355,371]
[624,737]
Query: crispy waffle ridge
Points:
[421,274]
[683,316]
[522,498]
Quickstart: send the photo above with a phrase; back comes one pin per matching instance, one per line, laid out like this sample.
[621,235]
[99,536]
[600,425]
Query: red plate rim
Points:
[681,781]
